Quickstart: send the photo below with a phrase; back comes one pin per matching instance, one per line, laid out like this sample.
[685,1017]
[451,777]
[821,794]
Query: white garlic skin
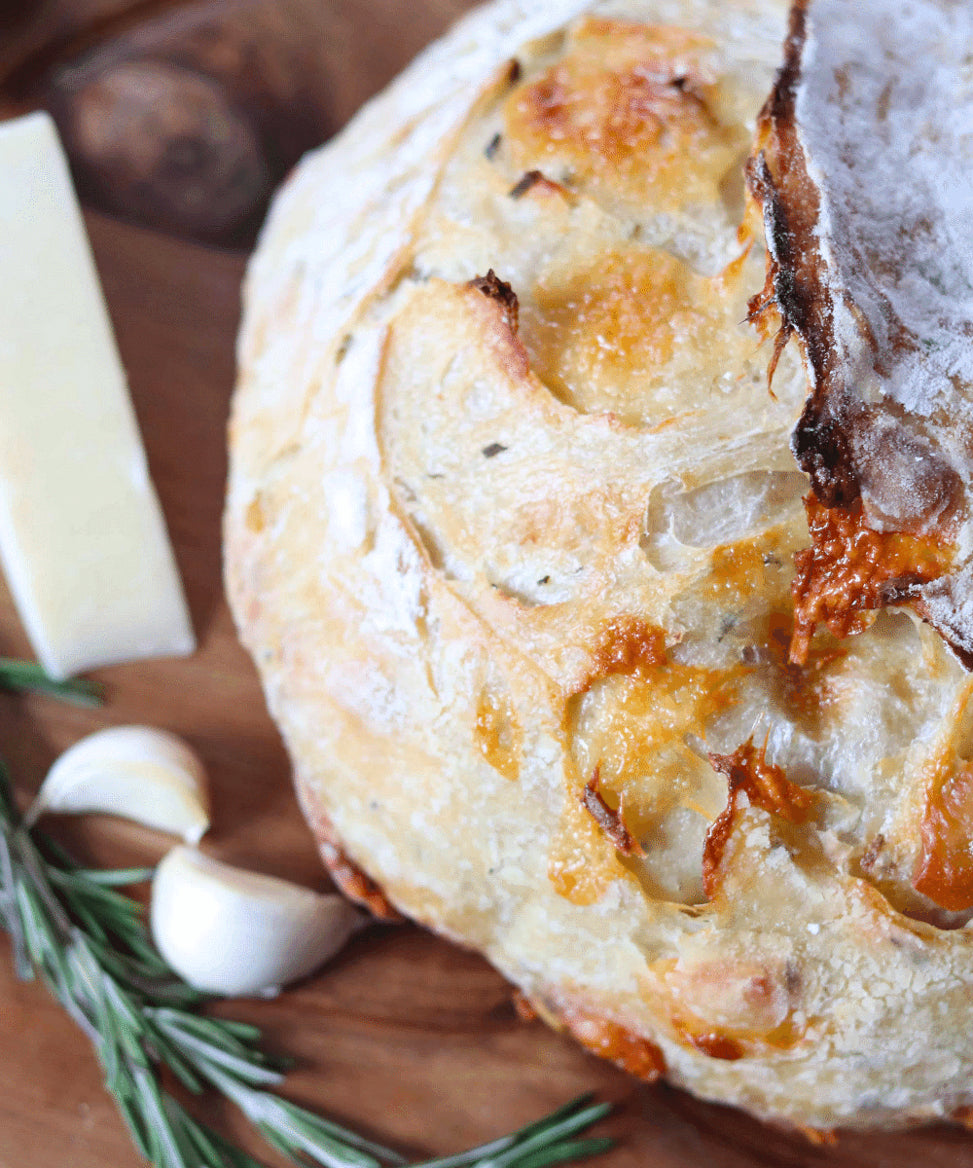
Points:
[136,772]
[237,933]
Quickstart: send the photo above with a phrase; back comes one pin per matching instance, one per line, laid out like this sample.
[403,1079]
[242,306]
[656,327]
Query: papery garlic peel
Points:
[232,932]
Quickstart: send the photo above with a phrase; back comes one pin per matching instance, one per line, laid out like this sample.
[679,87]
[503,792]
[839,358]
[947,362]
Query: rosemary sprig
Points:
[89,943]
[22,676]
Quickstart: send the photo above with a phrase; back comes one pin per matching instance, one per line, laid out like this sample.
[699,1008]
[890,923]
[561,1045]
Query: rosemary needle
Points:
[26,676]
[88,941]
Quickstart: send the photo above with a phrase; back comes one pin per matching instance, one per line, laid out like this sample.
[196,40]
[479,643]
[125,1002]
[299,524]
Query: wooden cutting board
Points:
[403,1037]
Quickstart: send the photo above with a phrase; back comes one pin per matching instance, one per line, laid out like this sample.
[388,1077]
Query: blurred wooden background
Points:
[180,118]
[184,116]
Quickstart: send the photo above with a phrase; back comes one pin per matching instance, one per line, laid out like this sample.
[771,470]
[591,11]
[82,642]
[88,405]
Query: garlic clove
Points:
[136,772]
[232,932]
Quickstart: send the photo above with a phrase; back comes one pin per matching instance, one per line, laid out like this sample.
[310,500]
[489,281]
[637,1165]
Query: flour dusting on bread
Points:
[511,535]
[863,167]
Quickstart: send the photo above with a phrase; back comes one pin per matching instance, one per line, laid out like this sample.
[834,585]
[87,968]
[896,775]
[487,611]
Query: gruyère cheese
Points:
[82,538]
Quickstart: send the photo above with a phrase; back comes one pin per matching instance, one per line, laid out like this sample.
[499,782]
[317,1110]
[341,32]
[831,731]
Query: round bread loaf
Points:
[510,534]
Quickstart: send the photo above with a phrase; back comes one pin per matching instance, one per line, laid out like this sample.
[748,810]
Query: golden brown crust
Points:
[356,884]
[487,537]
[633,108]
[633,1053]
[609,1040]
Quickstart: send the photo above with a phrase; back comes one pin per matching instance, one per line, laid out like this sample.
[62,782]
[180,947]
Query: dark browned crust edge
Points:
[493,288]
[778,180]
[609,820]
[951,631]
[796,288]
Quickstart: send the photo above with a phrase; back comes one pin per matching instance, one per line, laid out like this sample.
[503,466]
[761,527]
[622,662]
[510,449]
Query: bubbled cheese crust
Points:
[513,554]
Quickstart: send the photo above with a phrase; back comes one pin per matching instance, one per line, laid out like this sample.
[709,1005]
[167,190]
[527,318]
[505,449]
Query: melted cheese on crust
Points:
[437,508]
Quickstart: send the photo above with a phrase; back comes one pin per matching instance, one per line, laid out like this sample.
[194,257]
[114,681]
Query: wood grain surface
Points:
[404,1037]
[186,115]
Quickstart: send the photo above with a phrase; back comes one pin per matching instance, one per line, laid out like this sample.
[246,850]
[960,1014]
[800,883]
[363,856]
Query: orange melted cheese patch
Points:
[630,111]
[737,570]
[765,785]
[628,645]
[716,1045]
[732,1044]
[746,1007]
[630,723]
[850,569]
[748,574]
[582,862]
[639,1056]
[619,335]
[944,872]
[497,734]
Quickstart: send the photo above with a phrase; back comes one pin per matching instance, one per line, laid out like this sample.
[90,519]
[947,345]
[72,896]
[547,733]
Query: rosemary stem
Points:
[90,945]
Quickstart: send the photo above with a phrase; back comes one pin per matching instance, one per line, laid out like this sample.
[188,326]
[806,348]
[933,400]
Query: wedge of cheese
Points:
[82,538]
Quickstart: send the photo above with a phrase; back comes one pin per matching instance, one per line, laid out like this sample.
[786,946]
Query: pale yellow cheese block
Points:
[82,537]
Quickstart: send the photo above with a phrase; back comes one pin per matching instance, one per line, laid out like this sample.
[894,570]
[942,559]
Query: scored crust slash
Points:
[862,208]
[533,540]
